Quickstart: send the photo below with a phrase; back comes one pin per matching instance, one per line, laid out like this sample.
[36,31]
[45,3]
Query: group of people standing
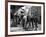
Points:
[26,21]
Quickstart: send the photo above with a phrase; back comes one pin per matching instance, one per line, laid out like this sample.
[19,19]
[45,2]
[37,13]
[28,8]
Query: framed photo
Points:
[25,18]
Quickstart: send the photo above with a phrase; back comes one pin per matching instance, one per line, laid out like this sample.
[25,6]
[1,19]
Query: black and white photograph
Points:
[25,18]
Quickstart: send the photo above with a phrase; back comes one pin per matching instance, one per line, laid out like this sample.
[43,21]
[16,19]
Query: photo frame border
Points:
[6,18]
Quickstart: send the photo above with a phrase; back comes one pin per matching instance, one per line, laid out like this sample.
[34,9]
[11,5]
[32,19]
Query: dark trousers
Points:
[32,21]
[23,23]
[36,21]
[36,24]
[32,24]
